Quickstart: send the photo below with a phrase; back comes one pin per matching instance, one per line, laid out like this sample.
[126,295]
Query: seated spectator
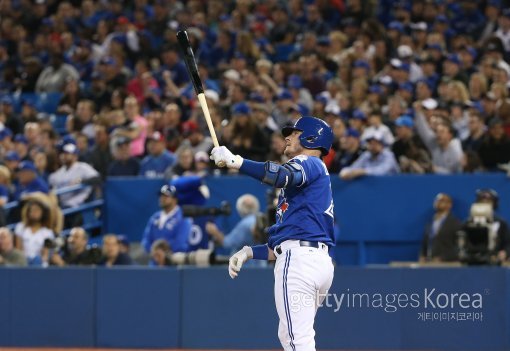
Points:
[375,125]
[33,231]
[168,223]
[123,164]
[9,255]
[161,253]
[111,253]
[54,77]
[377,160]
[440,236]
[135,127]
[5,185]
[202,163]
[409,149]
[495,148]
[185,164]
[445,148]
[194,138]
[28,181]
[76,252]
[81,120]
[99,155]
[242,234]
[69,100]
[350,150]
[158,158]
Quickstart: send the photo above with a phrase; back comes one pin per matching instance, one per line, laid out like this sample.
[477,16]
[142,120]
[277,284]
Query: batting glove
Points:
[237,260]
[222,156]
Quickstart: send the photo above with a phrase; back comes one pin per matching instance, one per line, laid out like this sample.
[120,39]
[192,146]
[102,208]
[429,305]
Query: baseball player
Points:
[303,232]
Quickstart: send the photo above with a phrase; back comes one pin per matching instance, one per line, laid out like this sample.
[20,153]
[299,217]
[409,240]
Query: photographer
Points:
[485,237]
[76,251]
[242,234]
[162,255]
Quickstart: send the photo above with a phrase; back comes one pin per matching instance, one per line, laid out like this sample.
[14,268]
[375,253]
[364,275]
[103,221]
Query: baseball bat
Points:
[191,64]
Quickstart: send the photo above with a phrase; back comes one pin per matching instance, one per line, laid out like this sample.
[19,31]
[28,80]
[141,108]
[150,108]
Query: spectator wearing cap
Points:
[312,79]
[314,21]
[375,125]
[28,181]
[400,71]
[503,32]
[82,120]
[358,120]
[158,158]
[98,91]
[12,120]
[468,55]
[284,101]
[495,148]
[28,111]
[445,148]
[168,223]
[406,55]
[452,69]
[54,77]
[246,137]
[185,164]
[6,140]
[408,148]
[72,172]
[377,160]
[21,146]
[109,70]
[348,150]
[194,138]
[123,164]
[202,163]
[430,69]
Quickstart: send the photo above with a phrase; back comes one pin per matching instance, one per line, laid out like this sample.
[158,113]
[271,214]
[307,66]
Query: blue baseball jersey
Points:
[198,237]
[305,211]
[172,227]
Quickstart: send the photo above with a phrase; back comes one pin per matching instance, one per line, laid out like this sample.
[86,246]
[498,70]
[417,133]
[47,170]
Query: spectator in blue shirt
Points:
[28,181]
[158,159]
[168,223]
[242,234]
[377,160]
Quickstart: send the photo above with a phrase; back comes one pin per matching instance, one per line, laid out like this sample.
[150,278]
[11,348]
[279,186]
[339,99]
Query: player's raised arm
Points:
[309,135]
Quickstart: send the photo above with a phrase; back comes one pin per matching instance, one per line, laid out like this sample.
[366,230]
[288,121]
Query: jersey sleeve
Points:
[311,168]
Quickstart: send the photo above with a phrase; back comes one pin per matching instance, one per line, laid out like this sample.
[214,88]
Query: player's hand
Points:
[237,260]
[222,156]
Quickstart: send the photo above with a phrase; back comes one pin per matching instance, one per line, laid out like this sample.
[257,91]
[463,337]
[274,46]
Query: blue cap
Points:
[256,97]
[404,5]
[321,98]
[442,19]
[7,100]
[361,64]
[29,103]
[435,47]
[405,121]
[108,60]
[168,190]
[472,51]
[239,55]
[26,166]
[427,82]
[20,138]
[323,41]
[12,156]
[241,108]
[476,105]
[294,82]
[285,95]
[4,133]
[302,110]
[453,58]
[407,86]
[396,25]
[358,114]
[375,135]
[375,89]
[351,132]
[123,239]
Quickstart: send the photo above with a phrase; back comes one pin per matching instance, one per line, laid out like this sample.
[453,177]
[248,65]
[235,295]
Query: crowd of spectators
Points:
[408,86]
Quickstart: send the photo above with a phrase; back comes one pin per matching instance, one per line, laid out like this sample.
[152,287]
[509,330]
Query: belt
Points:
[288,244]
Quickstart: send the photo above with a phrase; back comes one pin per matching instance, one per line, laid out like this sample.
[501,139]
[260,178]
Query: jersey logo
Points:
[329,211]
[282,208]
[320,131]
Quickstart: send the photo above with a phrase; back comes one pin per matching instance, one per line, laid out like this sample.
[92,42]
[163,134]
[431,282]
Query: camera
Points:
[477,240]
[53,244]
[199,211]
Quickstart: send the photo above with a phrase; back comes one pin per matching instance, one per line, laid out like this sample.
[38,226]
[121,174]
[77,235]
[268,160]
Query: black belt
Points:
[315,244]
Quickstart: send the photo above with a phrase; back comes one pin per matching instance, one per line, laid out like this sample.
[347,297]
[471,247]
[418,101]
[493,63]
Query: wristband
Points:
[260,252]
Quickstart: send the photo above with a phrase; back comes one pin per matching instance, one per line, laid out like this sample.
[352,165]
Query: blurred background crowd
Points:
[96,89]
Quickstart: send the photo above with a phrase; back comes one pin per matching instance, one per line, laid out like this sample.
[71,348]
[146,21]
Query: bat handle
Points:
[205,109]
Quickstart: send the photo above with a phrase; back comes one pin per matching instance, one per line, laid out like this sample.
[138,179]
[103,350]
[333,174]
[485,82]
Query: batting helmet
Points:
[317,134]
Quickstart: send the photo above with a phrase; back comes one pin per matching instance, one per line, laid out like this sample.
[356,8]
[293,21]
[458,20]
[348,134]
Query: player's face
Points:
[293,146]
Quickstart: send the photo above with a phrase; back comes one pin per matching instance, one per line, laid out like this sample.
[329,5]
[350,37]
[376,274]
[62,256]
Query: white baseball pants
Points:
[303,275]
